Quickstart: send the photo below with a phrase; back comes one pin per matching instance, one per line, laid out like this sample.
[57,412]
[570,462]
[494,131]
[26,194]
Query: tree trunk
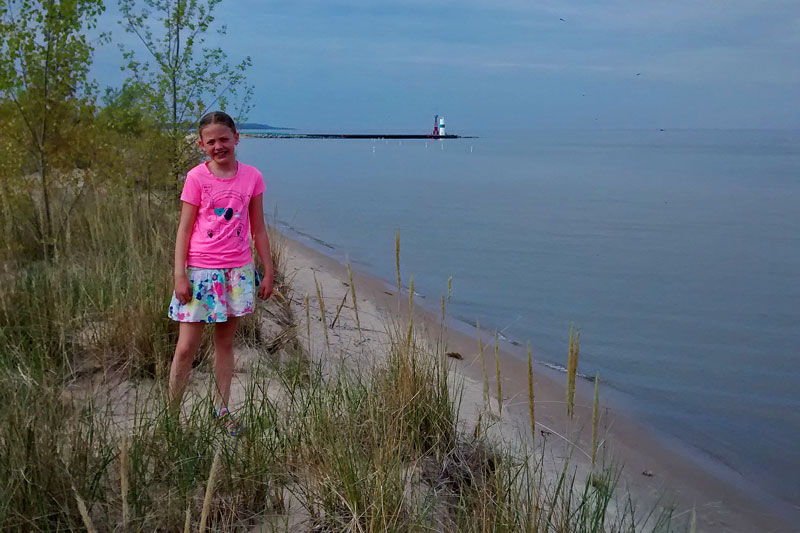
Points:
[47,234]
[175,70]
[48,222]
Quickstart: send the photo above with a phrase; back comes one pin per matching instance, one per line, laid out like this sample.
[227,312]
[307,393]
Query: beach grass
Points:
[497,375]
[397,260]
[353,293]
[90,443]
[595,416]
[321,302]
[572,368]
[531,398]
[483,367]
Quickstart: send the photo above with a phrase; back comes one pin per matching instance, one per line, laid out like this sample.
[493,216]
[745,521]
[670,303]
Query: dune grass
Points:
[383,450]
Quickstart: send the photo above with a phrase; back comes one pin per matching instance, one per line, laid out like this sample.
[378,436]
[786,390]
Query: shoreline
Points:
[679,473]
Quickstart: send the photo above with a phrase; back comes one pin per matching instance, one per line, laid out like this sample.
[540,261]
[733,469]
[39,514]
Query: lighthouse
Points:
[438,126]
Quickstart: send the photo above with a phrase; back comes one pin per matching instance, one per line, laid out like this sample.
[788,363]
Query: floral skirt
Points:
[217,293]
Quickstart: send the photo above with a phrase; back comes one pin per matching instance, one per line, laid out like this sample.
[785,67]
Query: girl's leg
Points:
[223,358]
[189,337]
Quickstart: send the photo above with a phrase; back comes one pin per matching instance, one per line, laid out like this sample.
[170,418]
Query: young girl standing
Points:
[214,274]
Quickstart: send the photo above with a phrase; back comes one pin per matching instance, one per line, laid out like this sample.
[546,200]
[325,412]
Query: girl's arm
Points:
[183,289]
[259,230]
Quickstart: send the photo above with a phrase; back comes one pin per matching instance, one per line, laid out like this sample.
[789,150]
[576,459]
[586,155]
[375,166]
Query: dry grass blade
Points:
[410,314]
[209,491]
[483,368]
[595,416]
[277,293]
[572,368]
[397,258]
[497,375]
[308,324]
[530,395]
[411,295]
[353,291]
[123,479]
[569,365]
[280,340]
[449,287]
[84,512]
[338,311]
[187,524]
[322,311]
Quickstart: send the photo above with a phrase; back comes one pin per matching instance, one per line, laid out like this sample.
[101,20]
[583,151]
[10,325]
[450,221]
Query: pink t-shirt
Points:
[221,233]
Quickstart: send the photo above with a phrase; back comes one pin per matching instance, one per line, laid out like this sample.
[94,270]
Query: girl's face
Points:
[218,141]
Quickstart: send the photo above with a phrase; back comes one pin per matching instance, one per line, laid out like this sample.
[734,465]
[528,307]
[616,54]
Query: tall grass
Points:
[483,367]
[531,404]
[106,293]
[497,376]
[397,259]
[572,368]
[595,416]
[383,450]
[353,292]
[308,322]
[321,302]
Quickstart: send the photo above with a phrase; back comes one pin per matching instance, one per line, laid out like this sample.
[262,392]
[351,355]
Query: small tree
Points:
[44,86]
[186,78]
[136,149]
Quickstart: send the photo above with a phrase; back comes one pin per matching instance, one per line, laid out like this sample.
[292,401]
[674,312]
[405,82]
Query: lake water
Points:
[676,253]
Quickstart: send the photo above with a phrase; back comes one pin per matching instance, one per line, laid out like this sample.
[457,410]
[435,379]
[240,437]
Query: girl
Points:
[214,275]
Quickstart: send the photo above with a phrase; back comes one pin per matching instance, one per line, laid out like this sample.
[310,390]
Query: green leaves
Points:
[189,78]
[46,40]
[45,87]
[184,78]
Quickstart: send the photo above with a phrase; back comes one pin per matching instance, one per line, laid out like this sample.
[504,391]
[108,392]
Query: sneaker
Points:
[224,417]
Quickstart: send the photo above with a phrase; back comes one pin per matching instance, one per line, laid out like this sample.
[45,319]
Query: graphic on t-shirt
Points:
[225,213]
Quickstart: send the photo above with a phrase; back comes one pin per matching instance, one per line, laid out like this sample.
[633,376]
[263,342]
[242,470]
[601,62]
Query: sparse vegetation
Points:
[87,440]
[372,451]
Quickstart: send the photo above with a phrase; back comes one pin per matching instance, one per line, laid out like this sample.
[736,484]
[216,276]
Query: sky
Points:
[492,65]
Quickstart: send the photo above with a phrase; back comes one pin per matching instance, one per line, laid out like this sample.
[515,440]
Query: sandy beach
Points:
[655,472]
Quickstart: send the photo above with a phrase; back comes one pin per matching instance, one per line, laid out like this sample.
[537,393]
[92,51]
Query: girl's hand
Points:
[267,283]
[183,289]
[259,232]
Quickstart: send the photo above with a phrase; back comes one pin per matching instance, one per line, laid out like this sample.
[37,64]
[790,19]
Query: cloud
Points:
[678,47]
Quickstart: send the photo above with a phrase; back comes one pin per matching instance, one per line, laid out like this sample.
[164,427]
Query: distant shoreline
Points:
[350,136]
[258,126]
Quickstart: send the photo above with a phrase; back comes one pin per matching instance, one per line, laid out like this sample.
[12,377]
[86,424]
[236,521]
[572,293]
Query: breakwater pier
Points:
[350,136]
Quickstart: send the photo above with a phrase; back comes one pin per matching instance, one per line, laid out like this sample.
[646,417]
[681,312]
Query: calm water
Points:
[677,254]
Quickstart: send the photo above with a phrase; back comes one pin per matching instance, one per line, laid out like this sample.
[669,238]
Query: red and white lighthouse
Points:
[438,126]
